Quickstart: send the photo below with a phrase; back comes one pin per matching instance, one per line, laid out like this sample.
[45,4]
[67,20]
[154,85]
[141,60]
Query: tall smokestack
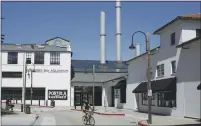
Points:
[118,29]
[138,49]
[102,37]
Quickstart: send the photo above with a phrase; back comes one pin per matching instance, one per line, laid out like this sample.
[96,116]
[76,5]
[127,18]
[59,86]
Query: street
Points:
[69,117]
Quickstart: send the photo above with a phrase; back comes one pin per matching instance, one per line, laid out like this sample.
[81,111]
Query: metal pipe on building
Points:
[102,37]
[138,49]
[118,29]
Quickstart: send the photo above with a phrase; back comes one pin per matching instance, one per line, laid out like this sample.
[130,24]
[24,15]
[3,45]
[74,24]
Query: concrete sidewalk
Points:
[18,118]
[170,120]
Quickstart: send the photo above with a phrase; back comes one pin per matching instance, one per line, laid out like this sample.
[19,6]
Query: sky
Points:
[79,22]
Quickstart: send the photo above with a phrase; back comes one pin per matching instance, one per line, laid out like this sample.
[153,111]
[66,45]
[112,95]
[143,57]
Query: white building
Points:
[48,72]
[175,67]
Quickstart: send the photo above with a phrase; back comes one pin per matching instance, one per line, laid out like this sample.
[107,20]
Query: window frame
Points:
[39,57]
[173,39]
[12,58]
[160,71]
[54,58]
[173,69]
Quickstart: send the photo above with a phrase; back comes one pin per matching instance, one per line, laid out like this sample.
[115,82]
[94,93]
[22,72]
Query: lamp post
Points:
[93,84]
[149,91]
[31,71]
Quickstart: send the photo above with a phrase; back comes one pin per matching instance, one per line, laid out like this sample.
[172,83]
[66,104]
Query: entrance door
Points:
[78,99]
[112,96]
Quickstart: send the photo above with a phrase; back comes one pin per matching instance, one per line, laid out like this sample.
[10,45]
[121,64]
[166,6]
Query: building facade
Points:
[175,71]
[48,72]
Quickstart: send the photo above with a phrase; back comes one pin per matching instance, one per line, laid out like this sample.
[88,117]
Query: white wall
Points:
[166,54]
[42,79]
[188,73]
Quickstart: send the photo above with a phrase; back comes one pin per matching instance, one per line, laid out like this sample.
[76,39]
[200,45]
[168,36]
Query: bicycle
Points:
[88,119]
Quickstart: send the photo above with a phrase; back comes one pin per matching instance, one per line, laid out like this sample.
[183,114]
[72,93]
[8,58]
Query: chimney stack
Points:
[102,37]
[118,29]
[138,49]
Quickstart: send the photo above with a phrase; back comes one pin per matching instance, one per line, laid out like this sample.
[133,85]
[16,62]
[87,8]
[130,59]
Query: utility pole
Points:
[31,85]
[149,81]
[93,86]
[24,83]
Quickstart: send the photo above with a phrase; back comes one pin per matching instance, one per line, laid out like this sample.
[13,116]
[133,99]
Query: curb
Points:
[142,124]
[99,113]
[36,117]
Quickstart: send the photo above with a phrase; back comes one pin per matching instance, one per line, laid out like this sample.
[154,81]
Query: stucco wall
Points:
[166,54]
[58,80]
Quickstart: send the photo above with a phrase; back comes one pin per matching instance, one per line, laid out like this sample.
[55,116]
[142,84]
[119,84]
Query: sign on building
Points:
[57,94]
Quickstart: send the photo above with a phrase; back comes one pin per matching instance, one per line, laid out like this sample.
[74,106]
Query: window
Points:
[12,57]
[39,58]
[11,74]
[173,65]
[160,70]
[173,39]
[28,58]
[54,58]
[145,99]
[198,32]
[167,99]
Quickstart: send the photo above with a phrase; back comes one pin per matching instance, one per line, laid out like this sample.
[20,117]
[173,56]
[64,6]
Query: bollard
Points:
[21,107]
[39,102]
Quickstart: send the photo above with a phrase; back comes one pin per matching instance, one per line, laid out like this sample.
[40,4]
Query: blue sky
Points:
[79,22]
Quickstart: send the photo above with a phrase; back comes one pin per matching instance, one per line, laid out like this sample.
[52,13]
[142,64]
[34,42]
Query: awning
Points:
[120,84]
[168,84]
[199,87]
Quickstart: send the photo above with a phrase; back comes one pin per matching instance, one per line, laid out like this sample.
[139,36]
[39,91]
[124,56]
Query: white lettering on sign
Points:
[50,70]
[57,94]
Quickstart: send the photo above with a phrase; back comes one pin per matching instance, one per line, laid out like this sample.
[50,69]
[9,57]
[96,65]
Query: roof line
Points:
[142,54]
[174,20]
[55,38]
[188,42]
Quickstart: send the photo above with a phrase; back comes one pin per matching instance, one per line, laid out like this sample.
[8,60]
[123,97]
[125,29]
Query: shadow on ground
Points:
[188,125]
[6,112]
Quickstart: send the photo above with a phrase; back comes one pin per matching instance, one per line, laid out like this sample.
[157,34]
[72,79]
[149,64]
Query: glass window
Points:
[12,57]
[28,58]
[173,65]
[145,99]
[55,58]
[39,58]
[11,74]
[173,39]
[160,70]
[198,32]
[167,99]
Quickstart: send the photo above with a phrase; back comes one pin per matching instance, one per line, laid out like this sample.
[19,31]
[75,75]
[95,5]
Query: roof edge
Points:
[127,62]
[188,42]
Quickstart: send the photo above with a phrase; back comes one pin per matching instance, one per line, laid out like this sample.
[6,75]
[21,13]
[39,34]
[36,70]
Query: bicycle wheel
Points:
[92,121]
[84,119]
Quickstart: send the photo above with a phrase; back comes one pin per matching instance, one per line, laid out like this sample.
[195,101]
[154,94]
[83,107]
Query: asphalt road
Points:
[68,117]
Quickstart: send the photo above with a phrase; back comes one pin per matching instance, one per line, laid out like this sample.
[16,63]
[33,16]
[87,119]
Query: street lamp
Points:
[93,85]
[148,71]
[31,71]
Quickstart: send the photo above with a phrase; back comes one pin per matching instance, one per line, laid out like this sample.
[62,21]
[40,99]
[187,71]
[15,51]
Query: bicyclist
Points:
[86,106]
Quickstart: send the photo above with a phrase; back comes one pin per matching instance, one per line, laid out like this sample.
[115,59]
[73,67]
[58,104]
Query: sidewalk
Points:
[116,112]
[170,120]
[18,118]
